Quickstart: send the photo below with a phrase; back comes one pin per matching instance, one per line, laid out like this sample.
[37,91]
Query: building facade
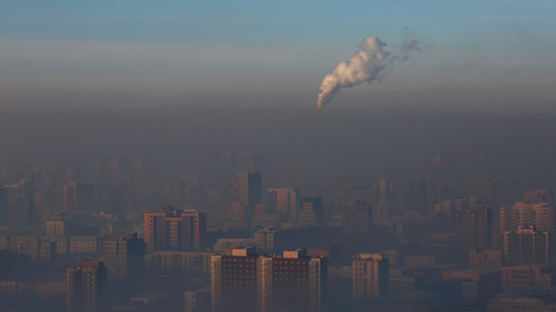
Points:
[172,229]
[370,276]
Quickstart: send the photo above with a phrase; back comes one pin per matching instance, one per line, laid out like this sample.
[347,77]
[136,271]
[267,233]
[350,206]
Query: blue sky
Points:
[199,41]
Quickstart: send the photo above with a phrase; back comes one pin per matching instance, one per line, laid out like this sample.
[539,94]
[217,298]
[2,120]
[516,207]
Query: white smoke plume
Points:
[368,64]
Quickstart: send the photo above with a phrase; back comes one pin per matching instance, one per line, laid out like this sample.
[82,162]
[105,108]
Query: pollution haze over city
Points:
[277,156]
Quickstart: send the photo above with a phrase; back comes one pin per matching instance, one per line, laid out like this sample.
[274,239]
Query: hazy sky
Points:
[267,47]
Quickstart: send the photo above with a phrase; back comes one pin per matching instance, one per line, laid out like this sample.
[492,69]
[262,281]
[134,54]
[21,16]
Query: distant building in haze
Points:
[311,213]
[236,212]
[86,286]
[286,202]
[19,202]
[197,300]
[474,228]
[527,246]
[357,217]
[246,188]
[78,196]
[526,277]
[485,258]
[370,276]
[267,239]
[541,215]
[124,256]
[172,229]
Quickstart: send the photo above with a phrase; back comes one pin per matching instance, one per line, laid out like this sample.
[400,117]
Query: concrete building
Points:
[357,217]
[474,228]
[527,246]
[311,213]
[90,246]
[59,226]
[180,260]
[124,256]
[292,282]
[286,202]
[86,286]
[172,229]
[245,281]
[370,276]
[19,202]
[267,239]
[246,187]
[525,277]
[78,197]
[539,214]
[476,284]
[526,302]
[33,247]
[236,212]
[234,281]
[485,258]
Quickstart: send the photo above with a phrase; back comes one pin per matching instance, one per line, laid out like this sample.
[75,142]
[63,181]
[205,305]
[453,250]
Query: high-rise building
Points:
[267,239]
[172,229]
[245,281]
[381,212]
[246,188]
[292,282]
[124,256]
[384,190]
[234,281]
[311,213]
[59,225]
[20,202]
[86,286]
[357,217]
[286,202]
[527,246]
[474,228]
[370,275]
[541,215]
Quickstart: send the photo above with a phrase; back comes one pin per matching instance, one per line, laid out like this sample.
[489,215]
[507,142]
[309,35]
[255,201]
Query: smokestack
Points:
[368,64]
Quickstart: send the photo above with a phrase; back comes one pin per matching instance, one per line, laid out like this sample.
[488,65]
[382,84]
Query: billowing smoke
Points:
[368,64]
